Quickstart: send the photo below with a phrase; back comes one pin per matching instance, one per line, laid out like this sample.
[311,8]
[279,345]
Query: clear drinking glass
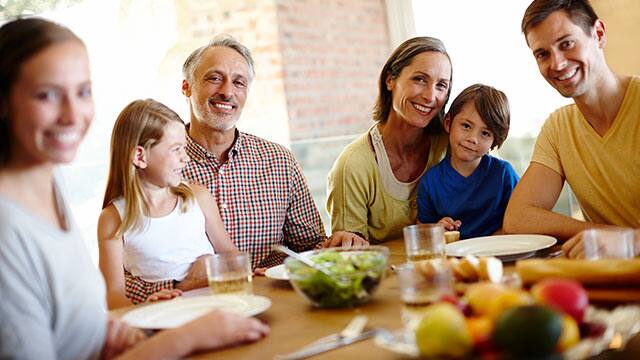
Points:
[608,244]
[229,273]
[424,241]
[422,284]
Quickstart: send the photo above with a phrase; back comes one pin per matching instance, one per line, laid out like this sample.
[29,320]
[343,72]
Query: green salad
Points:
[355,275]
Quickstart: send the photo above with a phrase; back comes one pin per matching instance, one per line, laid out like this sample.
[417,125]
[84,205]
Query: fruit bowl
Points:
[355,275]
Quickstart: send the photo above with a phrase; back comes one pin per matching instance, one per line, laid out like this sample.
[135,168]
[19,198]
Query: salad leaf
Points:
[359,273]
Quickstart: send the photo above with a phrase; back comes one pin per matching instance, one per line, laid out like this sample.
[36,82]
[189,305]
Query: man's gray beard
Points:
[209,119]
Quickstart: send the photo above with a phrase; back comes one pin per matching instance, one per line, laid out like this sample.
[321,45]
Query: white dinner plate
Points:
[505,247]
[278,272]
[173,313]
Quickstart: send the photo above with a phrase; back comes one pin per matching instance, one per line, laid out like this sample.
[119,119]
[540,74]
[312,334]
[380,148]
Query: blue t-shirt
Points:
[478,201]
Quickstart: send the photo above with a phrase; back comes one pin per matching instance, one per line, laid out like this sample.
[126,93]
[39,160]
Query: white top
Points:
[396,188]
[165,248]
[53,297]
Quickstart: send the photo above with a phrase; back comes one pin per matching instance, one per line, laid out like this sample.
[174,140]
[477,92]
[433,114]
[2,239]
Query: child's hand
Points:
[259,271]
[164,294]
[450,224]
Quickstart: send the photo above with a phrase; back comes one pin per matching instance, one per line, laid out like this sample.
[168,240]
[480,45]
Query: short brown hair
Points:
[399,59]
[579,11]
[491,104]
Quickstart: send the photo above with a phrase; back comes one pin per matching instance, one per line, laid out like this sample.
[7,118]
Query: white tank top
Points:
[165,248]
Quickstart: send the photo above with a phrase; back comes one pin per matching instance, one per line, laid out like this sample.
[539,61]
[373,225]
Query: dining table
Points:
[294,322]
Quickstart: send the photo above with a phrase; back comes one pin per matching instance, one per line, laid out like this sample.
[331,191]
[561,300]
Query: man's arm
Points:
[302,229]
[529,209]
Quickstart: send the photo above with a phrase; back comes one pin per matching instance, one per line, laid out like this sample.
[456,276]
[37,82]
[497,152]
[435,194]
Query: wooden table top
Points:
[295,323]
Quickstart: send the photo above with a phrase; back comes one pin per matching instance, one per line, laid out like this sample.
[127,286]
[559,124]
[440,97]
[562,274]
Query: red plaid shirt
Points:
[262,196]
[263,200]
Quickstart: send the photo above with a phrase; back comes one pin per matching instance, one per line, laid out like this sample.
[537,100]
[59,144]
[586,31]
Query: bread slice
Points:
[457,271]
[469,266]
[490,269]
[451,236]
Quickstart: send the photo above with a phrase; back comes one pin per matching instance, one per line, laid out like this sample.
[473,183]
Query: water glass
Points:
[422,284]
[608,244]
[424,241]
[229,273]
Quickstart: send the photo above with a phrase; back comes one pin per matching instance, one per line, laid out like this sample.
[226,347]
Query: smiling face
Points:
[219,88]
[469,136]
[568,58]
[50,105]
[165,159]
[420,90]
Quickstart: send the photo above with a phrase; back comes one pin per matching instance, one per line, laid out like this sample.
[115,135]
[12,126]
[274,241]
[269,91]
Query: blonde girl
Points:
[153,225]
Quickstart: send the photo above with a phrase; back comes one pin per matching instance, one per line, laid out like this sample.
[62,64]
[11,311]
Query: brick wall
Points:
[317,64]
[332,52]
[317,61]
[255,24]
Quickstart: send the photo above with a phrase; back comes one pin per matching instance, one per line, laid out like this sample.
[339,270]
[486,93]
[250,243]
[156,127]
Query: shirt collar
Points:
[200,154]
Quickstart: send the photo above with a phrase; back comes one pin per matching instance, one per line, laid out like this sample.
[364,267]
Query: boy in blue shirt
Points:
[469,189]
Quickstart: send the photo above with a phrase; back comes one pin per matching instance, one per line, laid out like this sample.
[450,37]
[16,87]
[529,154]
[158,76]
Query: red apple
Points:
[461,304]
[565,295]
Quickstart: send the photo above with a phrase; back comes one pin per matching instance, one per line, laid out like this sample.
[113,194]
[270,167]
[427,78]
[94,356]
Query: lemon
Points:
[443,332]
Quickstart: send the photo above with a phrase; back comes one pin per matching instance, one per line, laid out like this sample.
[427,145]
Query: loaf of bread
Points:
[605,272]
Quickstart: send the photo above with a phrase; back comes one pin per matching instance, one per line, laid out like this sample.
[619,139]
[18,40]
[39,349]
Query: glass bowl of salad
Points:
[355,275]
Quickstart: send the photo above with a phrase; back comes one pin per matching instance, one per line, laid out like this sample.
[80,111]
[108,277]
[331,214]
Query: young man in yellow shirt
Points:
[593,144]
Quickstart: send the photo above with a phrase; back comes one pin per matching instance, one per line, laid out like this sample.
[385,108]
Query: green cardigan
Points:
[357,200]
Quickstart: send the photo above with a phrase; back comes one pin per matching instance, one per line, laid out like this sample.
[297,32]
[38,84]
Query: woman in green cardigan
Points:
[372,185]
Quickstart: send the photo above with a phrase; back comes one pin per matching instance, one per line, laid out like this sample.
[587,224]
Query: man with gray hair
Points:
[259,187]
[261,192]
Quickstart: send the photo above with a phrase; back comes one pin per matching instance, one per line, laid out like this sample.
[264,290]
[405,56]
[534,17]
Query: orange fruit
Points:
[482,294]
[480,328]
[506,300]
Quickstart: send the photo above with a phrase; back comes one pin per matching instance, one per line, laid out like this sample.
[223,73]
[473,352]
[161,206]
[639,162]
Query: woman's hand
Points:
[120,337]
[344,239]
[211,331]
[449,224]
[164,294]
[219,329]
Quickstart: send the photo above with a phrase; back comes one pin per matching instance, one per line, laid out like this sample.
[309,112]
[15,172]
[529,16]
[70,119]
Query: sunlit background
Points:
[317,63]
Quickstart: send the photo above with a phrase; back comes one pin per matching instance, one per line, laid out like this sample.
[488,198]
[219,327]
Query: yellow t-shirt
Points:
[357,199]
[603,171]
